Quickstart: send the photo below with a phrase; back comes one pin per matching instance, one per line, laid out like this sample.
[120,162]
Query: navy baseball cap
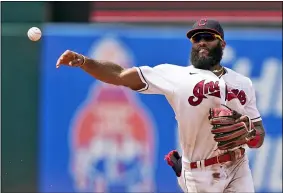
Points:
[206,25]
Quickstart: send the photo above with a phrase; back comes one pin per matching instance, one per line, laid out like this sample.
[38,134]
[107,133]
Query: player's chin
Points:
[203,63]
[203,55]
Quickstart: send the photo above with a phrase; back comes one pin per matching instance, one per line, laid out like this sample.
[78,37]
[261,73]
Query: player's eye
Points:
[206,37]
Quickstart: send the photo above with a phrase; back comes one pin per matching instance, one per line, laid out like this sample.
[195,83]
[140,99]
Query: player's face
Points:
[207,50]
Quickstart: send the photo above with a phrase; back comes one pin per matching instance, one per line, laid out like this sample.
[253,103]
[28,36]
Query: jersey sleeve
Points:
[251,108]
[158,79]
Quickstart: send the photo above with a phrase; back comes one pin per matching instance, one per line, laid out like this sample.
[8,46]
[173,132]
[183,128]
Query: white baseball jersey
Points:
[191,92]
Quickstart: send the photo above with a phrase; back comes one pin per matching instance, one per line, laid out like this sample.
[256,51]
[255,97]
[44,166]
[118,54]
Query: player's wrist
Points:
[83,59]
[256,141]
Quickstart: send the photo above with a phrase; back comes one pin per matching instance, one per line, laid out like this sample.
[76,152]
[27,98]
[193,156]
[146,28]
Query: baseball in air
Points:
[34,34]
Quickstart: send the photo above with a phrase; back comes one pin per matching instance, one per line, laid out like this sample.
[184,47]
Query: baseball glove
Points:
[230,128]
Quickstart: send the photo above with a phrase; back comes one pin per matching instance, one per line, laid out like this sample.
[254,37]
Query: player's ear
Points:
[223,44]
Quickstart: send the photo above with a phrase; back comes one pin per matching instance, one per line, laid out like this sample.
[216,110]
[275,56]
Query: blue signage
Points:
[96,137]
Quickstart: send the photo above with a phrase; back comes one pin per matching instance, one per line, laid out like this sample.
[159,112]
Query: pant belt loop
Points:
[202,165]
[217,158]
[238,154]
[198,164]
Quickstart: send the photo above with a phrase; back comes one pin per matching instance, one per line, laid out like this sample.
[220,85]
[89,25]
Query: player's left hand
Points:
[230,128]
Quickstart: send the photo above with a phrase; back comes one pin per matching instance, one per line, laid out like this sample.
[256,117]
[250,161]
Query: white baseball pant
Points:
[226,177]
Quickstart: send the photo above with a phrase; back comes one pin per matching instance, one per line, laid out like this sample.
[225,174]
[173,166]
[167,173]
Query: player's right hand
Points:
[70,58]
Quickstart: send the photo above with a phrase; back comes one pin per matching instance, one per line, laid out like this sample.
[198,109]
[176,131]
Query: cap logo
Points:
[202,22]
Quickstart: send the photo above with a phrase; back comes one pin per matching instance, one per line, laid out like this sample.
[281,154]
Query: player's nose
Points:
[202,43]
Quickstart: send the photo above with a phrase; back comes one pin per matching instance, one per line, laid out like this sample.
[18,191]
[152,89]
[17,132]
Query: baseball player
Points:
[215,108]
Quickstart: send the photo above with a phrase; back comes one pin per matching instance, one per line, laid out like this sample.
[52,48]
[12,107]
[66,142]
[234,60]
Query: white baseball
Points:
[34,34]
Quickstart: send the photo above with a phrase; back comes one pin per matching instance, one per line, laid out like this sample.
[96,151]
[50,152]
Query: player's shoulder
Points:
[237,77]
[164,68]
[168,67]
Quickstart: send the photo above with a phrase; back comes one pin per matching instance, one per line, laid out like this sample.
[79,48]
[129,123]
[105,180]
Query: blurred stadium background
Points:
[62,131]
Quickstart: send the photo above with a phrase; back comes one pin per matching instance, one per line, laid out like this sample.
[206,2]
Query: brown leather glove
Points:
[230,128]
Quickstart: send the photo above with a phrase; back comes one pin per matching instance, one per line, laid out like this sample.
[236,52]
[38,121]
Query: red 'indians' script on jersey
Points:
[202,90]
